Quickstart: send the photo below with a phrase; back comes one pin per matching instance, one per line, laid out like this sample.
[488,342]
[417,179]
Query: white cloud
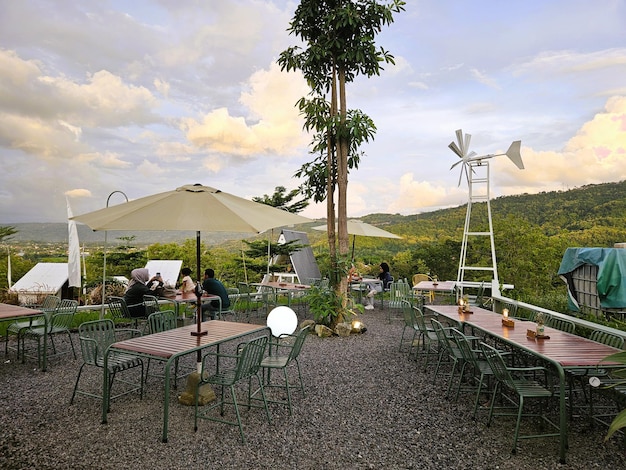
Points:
[271,126]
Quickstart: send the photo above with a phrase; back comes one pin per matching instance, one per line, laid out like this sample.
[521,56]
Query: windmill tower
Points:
[476,170]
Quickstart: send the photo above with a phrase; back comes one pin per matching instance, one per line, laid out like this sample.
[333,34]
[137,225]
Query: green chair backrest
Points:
[51,302]
[464,346]
[162,320]
[118,309]
[497,365]
[420,321]
[560,324]
[151,304]
[249,360]
[607,338]
[63,315]
[297,344]
[409,315]
[95,337]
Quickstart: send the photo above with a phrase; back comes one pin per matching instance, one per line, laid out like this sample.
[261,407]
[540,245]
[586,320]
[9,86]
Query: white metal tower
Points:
[476,169]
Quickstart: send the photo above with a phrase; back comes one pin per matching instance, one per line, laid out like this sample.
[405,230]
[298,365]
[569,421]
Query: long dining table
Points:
[169,345]
[564,351]
[15,312]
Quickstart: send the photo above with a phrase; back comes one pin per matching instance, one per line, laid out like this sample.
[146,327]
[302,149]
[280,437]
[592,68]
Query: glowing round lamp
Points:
[282,321]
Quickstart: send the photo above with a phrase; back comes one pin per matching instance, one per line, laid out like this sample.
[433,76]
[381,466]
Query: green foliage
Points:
[6,232]
[283,200]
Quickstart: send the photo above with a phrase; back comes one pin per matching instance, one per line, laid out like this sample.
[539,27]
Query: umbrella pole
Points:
[198,331]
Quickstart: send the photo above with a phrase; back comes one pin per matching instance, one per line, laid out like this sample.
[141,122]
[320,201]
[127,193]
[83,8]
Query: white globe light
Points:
[282,321]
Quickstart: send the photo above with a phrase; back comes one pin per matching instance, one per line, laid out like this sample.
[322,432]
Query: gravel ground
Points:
[366,406]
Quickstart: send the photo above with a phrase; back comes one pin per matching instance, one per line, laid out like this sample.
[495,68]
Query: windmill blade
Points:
[466,144]
[459,139]
[452,146]
[457,163]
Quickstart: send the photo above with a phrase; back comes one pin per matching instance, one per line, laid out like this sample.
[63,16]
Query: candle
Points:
[505,312]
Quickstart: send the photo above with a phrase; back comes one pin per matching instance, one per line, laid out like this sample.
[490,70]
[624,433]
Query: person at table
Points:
[353,274]
[213,286]
[187,286]
[384,276]
[138,286]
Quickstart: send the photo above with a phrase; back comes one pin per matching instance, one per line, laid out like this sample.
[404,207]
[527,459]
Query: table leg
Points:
[166,402]
[562,415]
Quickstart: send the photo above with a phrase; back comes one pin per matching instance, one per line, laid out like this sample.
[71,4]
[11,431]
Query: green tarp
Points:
[610,282]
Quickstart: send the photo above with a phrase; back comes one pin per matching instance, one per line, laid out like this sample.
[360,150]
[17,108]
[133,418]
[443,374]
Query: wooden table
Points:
[15,312]
[171,344]
[283,287]
[441,287]
[563,350]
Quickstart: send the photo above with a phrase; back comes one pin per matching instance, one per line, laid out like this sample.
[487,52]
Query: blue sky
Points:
[146,96]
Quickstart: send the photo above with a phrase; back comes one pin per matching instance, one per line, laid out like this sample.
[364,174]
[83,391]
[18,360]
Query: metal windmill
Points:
[476,169]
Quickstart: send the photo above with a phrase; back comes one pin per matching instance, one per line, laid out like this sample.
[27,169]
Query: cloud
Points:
[483,78]
[596,154]
[271,126]
[78,193]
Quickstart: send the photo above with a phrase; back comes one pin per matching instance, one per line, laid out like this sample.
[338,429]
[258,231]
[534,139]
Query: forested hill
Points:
[593,214]
[591,210]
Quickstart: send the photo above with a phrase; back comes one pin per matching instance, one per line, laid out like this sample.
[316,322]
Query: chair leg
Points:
[517,425]
[80,371]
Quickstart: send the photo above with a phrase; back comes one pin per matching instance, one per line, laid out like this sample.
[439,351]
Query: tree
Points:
[283,200]
[339,35]
[6,233]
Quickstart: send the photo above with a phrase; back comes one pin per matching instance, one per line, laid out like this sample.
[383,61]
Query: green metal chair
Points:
[480,367]
[117,309]
[448,351]
[247,365]
[399,291]
[410,324]
[158,322]
[95,338]
[17,328]
[578,379]
[60,323]
[560,324]
[523,387]
[284,352]
[427,340]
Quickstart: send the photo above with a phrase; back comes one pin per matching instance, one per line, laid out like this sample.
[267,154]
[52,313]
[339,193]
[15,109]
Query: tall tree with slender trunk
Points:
[339,37]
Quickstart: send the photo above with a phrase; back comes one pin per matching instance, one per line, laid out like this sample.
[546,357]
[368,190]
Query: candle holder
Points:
[508,322]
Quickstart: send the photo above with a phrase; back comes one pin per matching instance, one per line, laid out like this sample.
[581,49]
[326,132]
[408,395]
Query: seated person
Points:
[210,285]
[375,287]
[353,274]
[187,285]
[138,286]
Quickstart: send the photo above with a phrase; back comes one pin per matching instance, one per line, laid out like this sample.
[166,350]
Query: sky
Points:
[146,96]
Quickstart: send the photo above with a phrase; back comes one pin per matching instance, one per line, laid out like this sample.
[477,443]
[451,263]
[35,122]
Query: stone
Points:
[188,397]
[307,323]
[323,331]
[343,329]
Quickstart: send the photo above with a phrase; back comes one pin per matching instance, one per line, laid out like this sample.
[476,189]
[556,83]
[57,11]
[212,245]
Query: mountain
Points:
[57,233]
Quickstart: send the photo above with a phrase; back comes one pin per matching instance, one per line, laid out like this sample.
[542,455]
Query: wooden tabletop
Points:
[567,349]
[8,311]
[180,340]
[439,286]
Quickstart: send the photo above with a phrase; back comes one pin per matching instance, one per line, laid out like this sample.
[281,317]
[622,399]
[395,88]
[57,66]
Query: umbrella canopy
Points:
[191,207]
[358,227]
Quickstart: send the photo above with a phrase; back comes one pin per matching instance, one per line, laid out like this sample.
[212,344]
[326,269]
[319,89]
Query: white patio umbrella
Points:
[191,207]
[363,229]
